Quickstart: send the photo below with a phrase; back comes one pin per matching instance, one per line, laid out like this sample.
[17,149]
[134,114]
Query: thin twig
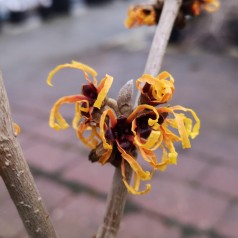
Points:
[115,205]
[161,38]
[162,35]
[117,196]
[18,178]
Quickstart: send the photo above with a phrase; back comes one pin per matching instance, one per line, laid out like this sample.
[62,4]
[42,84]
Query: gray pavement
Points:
[198,198]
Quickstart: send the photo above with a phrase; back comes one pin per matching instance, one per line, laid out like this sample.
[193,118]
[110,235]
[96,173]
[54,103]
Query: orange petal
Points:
[133,189]
[144,175]
[155,137]
[56,121]
[141,108]
[102,126]
[78,109]
[91,140]
[196,7]
[105,157]
[150,157]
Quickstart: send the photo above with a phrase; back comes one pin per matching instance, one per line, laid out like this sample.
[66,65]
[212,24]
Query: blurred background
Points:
[198,198]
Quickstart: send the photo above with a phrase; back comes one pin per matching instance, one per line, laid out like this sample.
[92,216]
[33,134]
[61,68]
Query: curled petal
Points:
[195,130]
[142,108]
[103,124]
[183,125]
[144,175]
[105,157]
[160,88]
[78,110]
[103,89]
[75,65]
[170,157]
[90,141]
[152,142]
[133,189]
[150,157]
[56,120]
[155,137]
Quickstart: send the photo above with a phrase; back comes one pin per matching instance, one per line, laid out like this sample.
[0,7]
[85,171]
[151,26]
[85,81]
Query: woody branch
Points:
[18,178]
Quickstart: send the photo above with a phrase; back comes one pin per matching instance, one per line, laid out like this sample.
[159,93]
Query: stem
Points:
[18,178]
[162,35]
[118,194]
[115,205]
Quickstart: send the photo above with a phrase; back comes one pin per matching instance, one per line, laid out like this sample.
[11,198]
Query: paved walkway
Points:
[198,198]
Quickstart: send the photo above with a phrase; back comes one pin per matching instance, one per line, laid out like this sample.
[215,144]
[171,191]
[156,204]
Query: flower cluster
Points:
[146,128]
[149,14]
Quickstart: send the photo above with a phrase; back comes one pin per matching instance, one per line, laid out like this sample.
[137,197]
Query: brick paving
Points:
[195,199]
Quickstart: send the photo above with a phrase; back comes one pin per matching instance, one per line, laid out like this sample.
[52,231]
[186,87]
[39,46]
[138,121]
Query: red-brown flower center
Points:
[90,91]
[121,133]
[142,126]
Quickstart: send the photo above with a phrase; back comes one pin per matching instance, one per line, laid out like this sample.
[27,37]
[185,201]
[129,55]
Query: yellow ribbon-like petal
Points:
[103,89]
[195,130]
[144,175]
[182,125]
[75,65]
[91,140]
[161,87]
[152,142]
[78,112]
[155,137]
[102,126]
[150,157]
[56,121]
[105,157]
[142,108]
[133,189]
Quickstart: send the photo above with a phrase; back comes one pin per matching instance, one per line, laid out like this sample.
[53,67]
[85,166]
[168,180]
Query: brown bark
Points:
[18,178]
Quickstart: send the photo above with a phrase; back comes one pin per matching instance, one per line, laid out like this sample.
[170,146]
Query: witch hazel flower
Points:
[87,103]
[118,132]
[149,13]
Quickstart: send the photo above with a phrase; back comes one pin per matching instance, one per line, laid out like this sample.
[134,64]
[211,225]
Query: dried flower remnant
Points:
[16,129]
[88,103]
